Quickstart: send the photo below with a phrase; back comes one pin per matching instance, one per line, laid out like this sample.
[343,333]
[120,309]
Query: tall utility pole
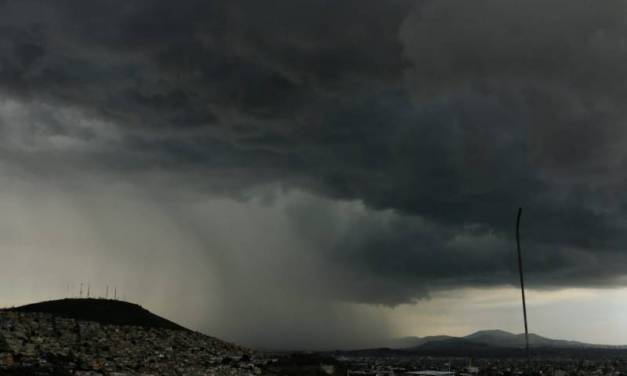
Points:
[107,293]
[81,291]
[522,282]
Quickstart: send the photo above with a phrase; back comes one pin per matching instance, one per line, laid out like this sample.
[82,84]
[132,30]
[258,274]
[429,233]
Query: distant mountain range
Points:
[487,338]
[487,343]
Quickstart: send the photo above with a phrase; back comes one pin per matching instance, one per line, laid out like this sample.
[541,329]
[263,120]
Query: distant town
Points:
[437,366]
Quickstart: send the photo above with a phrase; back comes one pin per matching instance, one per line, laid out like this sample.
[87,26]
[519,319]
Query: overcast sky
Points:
[319,173]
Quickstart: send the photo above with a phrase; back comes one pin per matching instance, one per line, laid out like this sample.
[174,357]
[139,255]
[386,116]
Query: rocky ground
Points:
[43,344]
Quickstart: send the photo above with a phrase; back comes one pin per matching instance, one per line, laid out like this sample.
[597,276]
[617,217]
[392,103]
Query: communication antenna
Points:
[107,294]
[522,283]
[115,293]
[81,291]
[88,290]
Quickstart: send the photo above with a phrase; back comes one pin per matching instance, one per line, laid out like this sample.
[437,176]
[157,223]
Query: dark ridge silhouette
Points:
[103,311]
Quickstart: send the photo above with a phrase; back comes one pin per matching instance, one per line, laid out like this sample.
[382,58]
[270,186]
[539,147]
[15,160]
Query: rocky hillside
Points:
[35,343]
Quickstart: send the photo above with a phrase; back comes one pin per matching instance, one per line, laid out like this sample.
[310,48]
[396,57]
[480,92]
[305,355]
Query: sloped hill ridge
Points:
[408,342]
[43,343]
[102,311]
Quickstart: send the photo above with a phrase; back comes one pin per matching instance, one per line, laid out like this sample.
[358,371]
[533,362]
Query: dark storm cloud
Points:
[187,61]
[449,113]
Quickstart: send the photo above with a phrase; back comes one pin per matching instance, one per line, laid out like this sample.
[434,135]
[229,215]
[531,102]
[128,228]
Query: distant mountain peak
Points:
[491,332]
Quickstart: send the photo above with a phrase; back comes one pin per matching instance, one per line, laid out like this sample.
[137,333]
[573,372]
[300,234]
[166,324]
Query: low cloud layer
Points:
[390,142]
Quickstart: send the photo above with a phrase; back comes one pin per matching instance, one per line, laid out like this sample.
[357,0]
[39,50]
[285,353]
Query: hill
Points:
[103,311]
[36,343]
